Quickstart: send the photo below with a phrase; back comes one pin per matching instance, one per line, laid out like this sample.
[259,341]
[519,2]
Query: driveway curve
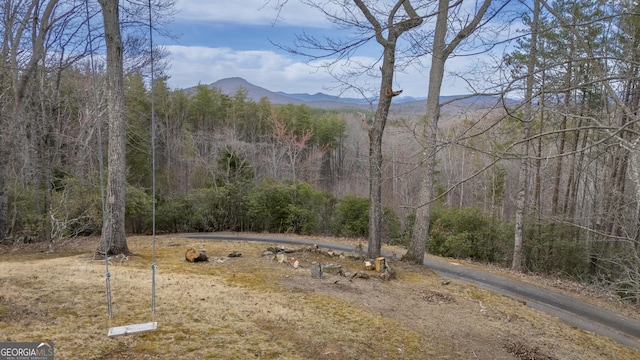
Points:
[569,309]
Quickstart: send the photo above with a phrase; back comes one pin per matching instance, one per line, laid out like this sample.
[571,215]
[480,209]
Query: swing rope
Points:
[137,328]
[153,169]
[129,329]
[106,244]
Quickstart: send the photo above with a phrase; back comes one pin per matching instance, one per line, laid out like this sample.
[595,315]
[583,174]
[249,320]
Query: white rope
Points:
[153,169]
[106,241]
[106,244]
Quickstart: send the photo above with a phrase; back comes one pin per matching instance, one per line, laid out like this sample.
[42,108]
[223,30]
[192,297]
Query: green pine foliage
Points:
[286,207]
[469,234]
[352,217]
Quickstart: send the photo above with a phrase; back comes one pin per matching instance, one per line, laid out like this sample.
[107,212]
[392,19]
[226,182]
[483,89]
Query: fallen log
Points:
[193,255]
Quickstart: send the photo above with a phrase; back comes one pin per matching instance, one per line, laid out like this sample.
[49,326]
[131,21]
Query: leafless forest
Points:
[559,143]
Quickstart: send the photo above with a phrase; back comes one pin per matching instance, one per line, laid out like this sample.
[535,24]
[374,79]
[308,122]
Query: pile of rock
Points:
[379,266]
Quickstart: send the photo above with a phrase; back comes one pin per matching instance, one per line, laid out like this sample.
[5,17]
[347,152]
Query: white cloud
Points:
[276,72]
[250,12]
[209,62]
[193,65]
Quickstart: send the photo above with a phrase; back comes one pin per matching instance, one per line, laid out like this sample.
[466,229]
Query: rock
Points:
[316,271]
[281,258]
[332,268]
[388,273]
[235,254]
[267,253]
[294,262]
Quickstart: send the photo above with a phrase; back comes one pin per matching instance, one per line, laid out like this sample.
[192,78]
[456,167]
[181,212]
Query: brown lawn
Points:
[254,307]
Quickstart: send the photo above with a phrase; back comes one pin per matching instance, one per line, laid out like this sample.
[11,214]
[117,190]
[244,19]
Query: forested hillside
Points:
[564,160]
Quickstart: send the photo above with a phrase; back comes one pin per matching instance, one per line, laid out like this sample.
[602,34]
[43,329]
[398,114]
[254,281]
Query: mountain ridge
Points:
[231,85]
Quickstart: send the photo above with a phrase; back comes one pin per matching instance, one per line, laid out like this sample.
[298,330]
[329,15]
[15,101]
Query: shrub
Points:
[352,217]
[555,248]
[286,207]
[391,227]
[74,208]
[199,210]
[467,233]
[138,209]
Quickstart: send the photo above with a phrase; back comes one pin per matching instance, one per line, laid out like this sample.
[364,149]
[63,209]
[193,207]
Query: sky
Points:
[220,39]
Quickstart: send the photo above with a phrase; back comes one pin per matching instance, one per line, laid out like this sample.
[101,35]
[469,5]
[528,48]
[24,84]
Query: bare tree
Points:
[393,31]
[113,229]
[440,53]
[523,171]
[385,23]
[287,143]
[26,25]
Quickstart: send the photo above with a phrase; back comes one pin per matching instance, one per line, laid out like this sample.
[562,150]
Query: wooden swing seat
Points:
[132,329]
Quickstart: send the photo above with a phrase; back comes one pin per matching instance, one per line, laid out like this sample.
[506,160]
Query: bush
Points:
[199,210]
[29,223]
[467,233]
[74,209]
[404,238]
[138,209]
[391,227]
[555,248]
[352,217]
[78,208]
[288,208]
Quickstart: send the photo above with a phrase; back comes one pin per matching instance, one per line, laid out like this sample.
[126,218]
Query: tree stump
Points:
[193,255]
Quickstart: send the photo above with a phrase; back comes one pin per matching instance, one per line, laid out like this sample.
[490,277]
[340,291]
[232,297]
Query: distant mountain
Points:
[322,97]
[230,86]
[404,99]
[402,104]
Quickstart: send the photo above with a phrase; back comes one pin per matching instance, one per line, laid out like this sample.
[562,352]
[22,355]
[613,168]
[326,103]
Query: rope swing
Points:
[153,325]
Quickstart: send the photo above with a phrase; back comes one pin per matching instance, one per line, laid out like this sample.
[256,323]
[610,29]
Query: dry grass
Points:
[253,307]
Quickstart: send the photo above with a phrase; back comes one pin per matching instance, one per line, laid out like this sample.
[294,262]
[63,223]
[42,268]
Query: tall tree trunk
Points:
[563,135]
[523,173]
[113,229]
[4,175]
[393,32]
[375,152]
[416,250]
[576,160]
[440,54]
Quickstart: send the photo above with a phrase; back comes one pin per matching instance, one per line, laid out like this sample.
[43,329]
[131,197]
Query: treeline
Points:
[207,142]
[225,163]
[565,158]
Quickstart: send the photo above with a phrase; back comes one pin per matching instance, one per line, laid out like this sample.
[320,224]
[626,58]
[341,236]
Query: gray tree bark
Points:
[523,173]
[440,54]
[387,93]
[113,229]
